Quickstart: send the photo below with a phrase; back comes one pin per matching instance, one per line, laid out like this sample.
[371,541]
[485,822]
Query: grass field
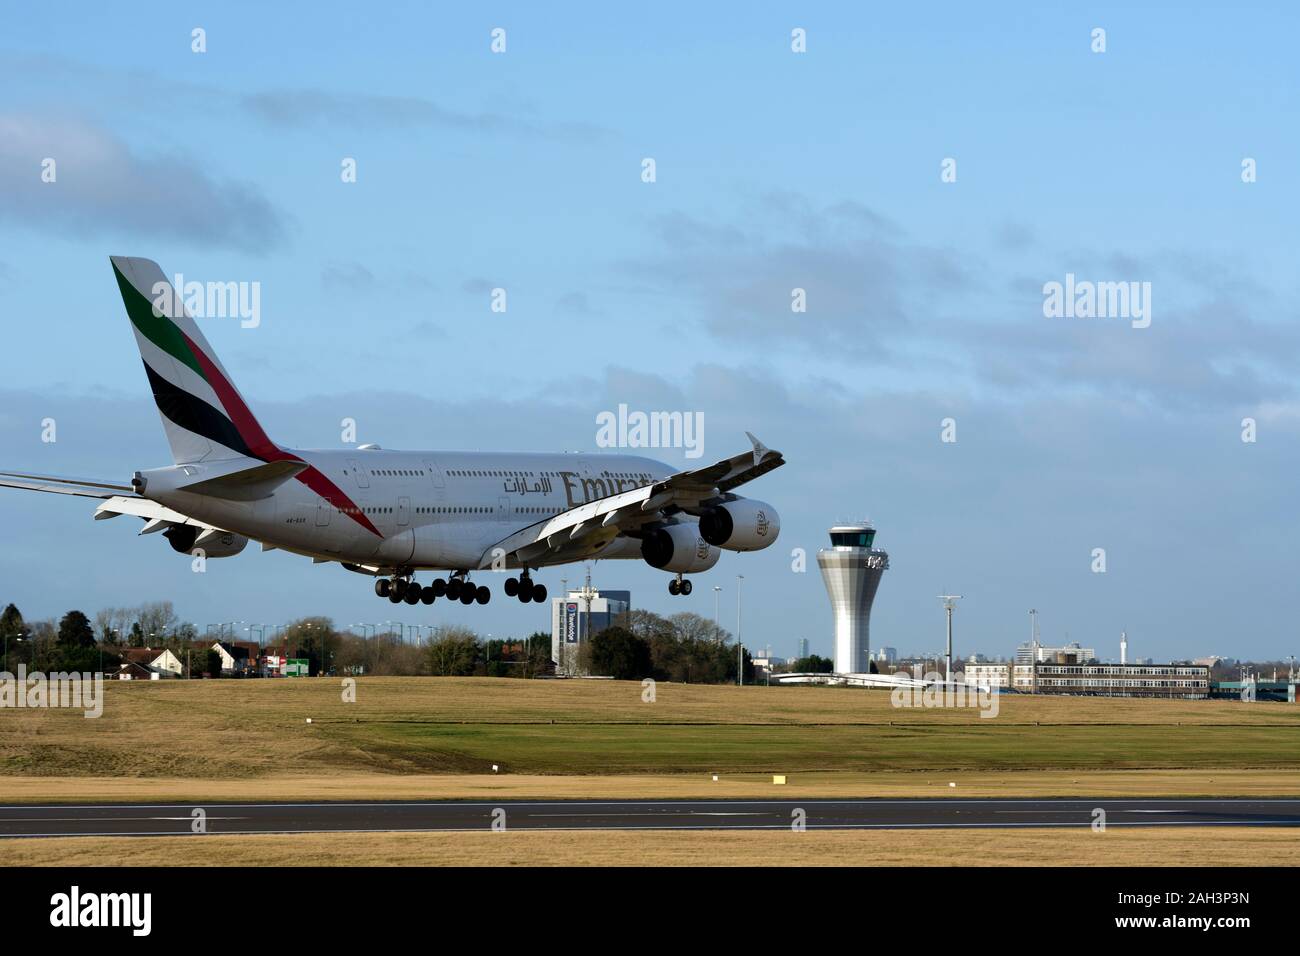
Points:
[244,732]
[1157,846]
[413,738]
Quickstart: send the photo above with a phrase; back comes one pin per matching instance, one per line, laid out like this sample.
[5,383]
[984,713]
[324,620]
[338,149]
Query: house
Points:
[237,660]
[168,664]
[137,664]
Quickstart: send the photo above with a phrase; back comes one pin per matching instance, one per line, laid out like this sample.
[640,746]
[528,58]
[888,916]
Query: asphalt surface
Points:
[246,818]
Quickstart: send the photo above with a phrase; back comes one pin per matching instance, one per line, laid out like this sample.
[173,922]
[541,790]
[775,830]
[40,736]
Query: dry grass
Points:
[1146,846]
[377,786]
[412,738]
[245,730]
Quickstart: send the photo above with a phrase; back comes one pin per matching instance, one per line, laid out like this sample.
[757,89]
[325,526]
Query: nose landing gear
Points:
[679,585]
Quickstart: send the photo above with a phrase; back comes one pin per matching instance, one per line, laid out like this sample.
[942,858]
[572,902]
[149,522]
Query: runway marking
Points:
[659,813]
[763,826]
[187,818]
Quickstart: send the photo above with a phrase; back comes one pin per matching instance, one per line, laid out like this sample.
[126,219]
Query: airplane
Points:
[392,514]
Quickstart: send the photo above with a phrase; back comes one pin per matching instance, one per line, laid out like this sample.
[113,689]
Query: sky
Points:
[774,170]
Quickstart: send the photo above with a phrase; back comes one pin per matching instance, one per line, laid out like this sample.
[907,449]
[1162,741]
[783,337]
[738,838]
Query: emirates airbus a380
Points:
[392,514]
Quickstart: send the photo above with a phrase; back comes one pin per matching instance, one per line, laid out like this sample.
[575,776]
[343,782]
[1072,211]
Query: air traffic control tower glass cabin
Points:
[851,570]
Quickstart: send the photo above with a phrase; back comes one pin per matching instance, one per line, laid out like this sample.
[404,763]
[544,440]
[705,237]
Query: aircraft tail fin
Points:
[203,414]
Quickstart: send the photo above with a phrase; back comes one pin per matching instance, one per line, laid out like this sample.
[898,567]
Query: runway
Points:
[175,819]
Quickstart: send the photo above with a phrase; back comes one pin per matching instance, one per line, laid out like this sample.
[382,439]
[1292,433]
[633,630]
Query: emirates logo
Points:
[761,528]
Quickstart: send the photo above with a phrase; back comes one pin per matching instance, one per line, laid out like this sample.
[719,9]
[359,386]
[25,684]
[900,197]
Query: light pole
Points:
[949,602]
[717,599]
[740,646]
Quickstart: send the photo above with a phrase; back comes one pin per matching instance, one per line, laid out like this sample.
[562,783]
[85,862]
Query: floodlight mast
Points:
[949,602]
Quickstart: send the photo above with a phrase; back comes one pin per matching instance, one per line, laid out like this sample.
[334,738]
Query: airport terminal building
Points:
[1172,681]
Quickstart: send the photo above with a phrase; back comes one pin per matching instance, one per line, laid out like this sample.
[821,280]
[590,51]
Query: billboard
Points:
[570,622]
[295,667]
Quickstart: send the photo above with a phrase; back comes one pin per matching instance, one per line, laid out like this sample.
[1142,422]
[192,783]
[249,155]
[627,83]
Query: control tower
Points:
[851,569]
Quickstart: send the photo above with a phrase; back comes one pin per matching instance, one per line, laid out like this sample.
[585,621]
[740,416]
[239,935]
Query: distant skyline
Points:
[774,171]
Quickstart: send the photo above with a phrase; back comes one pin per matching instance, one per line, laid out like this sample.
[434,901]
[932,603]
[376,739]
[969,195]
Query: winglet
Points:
[760,450]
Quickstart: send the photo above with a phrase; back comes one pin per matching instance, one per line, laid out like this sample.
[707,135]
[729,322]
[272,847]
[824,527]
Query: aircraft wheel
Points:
[686,587]
[381,587]
[398,587]
[412,595]
[439,587]
[673,587]
[453,589]
[539,593]
[394,597]
[483,595]
[512,587]
[468,594]
[428,595]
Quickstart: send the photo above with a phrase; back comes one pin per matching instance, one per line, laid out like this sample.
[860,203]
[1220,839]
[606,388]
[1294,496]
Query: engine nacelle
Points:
[740,525]
[187,539]
[678,548]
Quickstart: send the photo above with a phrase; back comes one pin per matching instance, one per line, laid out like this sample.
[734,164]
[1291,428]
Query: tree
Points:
[454,652]
[620,654]
[104,625]
[75,631]
[74,645]
[688,626]
[309,637]
[539,654]
[157,618]
[812,664]
[11,622]
[13,632]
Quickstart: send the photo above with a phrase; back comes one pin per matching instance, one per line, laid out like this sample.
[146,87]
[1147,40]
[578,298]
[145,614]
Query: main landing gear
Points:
[524,589]
[679,585]
[458,587]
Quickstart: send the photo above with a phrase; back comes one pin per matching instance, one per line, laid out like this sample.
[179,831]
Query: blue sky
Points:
[775,170]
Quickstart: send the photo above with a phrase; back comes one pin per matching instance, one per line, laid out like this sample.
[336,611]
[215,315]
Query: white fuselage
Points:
[398,509]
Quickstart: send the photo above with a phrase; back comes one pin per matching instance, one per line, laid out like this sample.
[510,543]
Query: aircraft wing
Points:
[600,521]
[86,487]
[116,499]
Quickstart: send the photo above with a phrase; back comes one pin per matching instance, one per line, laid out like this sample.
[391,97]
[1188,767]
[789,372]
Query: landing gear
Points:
[524,589]
[679,585]
[401,588]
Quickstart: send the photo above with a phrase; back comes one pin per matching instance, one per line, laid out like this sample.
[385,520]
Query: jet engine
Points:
[678,548]
[740,525]
[186,539]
